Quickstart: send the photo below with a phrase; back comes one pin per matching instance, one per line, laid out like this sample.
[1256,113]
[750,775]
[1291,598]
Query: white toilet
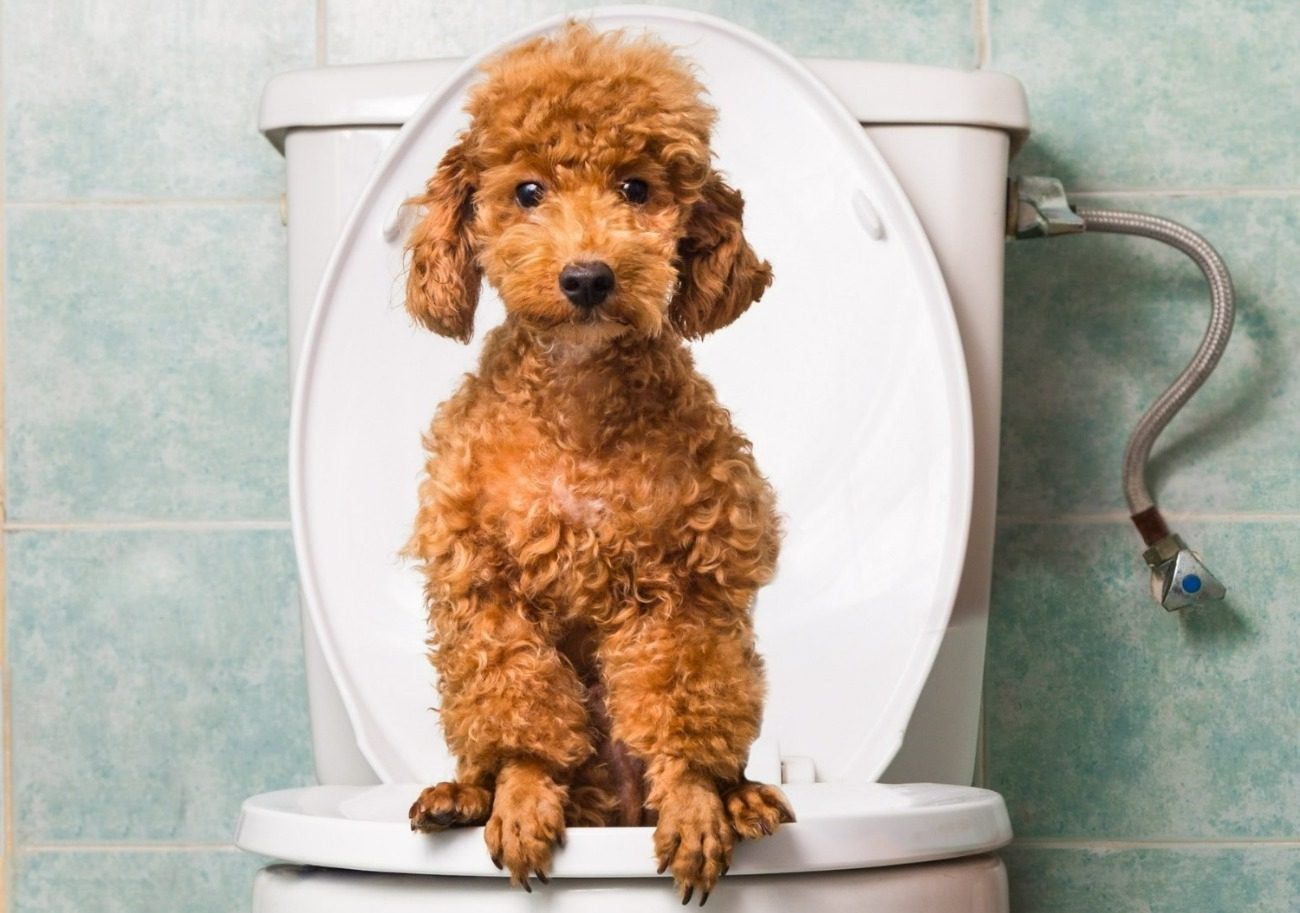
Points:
[868,379]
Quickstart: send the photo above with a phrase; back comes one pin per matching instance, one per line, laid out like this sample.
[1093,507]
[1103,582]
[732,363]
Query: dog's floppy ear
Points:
[719,275]
[443,283]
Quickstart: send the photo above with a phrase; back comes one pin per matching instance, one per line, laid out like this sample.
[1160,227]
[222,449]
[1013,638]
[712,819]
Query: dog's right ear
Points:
[443,283]
[719,275]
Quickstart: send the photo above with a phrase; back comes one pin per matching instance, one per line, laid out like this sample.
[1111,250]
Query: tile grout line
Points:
[1122,517]
[190,847]
[1190,192]
[141,202]
[6,690]
[322,19]
[1063,843]
[148,525]
[983,35]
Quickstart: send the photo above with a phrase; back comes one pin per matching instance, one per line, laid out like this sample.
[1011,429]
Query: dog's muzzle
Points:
[586,284]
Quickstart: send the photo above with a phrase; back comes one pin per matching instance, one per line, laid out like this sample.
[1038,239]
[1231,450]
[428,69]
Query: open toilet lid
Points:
[848,377]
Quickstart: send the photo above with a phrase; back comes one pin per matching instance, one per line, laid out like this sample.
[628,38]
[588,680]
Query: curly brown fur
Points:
[592,527]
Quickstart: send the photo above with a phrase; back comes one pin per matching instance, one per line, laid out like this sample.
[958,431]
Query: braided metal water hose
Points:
[1039,209]
[1207,355]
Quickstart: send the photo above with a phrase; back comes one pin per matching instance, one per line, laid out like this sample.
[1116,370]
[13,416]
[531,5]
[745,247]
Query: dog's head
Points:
[584,191]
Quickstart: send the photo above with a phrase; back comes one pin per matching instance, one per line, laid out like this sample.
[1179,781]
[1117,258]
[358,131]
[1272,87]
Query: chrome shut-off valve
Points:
[1179,578]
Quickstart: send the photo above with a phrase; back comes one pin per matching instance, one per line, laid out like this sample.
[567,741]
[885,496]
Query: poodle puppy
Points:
[592,529]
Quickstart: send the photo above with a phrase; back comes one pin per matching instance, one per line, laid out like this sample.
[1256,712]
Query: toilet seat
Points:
[868,444]
[841,826]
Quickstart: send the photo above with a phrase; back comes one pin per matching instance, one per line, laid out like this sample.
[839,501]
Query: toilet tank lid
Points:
[386,94]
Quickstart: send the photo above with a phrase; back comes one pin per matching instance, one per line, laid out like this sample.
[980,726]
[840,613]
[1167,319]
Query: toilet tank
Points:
[947,135]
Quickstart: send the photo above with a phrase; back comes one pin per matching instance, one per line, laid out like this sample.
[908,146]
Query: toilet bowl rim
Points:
[842,826]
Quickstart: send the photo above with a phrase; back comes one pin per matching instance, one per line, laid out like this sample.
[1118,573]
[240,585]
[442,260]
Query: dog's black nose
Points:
[587,284]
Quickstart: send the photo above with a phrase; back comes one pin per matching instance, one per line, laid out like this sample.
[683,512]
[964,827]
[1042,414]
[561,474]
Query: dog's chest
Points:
[568,503]
[537,494]
[538,491]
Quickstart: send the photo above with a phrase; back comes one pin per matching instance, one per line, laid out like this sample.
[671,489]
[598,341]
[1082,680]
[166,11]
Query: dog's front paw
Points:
[527,822]
[450,805]
[694,838]
[756,810]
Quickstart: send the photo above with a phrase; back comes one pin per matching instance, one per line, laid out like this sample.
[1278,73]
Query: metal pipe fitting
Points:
[1178,577]
[1038,208]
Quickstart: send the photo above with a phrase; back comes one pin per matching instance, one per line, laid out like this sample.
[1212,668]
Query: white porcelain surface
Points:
[848,377]
[970,885]
[386,94]
[841,826]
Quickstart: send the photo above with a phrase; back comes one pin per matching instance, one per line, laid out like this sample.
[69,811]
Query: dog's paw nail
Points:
[686,898]
[496,861]
[526,886]
[542,877]
[704,898]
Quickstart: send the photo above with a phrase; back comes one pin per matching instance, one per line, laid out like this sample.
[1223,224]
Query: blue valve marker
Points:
[1191,584]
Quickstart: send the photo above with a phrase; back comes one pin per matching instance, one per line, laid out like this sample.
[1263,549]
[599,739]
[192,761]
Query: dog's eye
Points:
[634,190]
[529,194]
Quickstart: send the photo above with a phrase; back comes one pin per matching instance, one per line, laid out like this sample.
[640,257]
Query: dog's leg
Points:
[513,713]
[685,693]
[693,837]
[527,819]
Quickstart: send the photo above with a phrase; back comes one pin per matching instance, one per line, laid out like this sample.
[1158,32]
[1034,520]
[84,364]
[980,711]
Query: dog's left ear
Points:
[443,283]
[719,275]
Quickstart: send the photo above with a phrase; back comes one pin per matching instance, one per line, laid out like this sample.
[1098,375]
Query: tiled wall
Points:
[1151,761]
[152,669]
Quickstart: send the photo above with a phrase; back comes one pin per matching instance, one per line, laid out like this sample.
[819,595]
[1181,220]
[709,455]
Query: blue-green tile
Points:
[1191,879]
[1161,93]
[216,880]
[930,31]
[157,681]
[142,99]
[1098,325]
[1109,718]
[146,363]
